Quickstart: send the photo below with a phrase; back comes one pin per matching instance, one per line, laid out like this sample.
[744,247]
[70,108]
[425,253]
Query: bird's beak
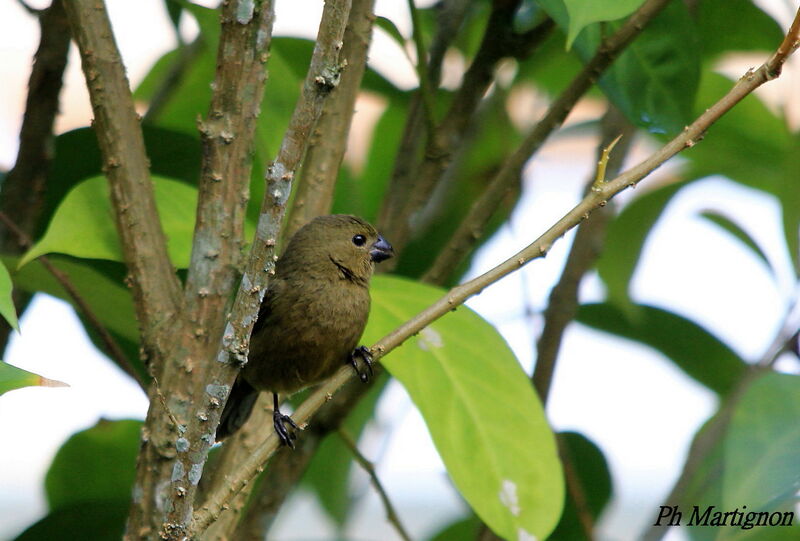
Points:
[381,250]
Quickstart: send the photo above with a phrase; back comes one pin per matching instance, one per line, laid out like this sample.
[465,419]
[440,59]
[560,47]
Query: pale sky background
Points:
[639,408]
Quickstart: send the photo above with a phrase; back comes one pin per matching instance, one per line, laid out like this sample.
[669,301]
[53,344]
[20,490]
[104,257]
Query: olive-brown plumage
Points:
[312,316]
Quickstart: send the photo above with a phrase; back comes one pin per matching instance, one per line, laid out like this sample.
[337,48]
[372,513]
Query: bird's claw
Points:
[363,352]
[286,435]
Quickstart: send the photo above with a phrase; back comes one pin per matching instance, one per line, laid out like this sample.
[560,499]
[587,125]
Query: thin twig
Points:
[597,198]
[110,344]
[178,426]
[472,227]
[391,513]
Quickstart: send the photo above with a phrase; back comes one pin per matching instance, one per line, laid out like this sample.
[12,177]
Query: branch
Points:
[391,513]
[472,227]
[499,41]
[597,198]
[156,289]
[406,196]
[451,16]
[22,191]
[192,453]
[425,86]
[227,137]
[586,248]
[23,188]
[313,197]
[111,347]
[315,188]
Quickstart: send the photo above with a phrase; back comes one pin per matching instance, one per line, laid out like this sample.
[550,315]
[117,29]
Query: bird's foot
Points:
[285,434]
[366,356]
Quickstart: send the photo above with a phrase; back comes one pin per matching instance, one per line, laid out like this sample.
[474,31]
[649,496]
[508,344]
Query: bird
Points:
[311,318]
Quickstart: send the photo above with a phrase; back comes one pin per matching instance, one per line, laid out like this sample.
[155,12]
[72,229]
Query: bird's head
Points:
[343,243]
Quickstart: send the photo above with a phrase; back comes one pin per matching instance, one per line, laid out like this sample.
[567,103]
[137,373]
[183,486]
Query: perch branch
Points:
[596,198]
[285,469]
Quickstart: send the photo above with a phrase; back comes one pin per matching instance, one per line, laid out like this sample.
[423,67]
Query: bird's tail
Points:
[237,409]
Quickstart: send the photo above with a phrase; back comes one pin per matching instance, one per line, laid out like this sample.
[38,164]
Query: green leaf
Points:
[459,530]
[582,13]
[626,238]
[362,194]
[7,309]
[770,163]
[102,520]
[591,470]
[83,225]
[12,378]
[654,81]
[174,10]
[762,446]
[736,230]
[750,125]
[97,464]
[696,351]
[108,298]
[480,407]
[389,27]
[704,487]
[747,27]
[172,154]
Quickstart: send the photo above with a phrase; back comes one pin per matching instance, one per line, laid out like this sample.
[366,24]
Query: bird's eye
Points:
[359,240]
